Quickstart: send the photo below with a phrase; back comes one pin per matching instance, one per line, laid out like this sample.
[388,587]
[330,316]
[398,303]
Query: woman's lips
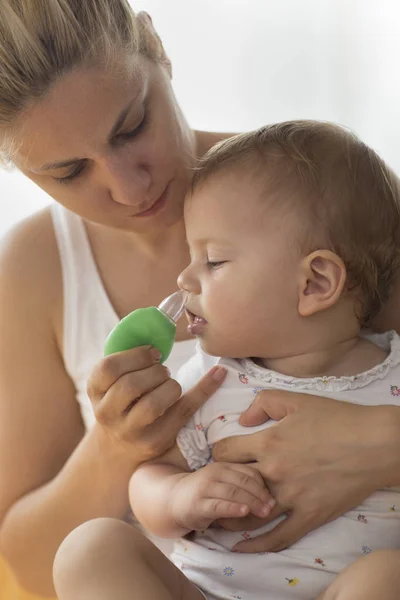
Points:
[196,324]
[156,207]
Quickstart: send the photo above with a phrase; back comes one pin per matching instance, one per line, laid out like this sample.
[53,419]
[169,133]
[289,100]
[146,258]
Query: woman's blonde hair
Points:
[40,40]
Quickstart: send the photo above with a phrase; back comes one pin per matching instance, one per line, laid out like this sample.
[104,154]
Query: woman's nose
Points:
[128,183]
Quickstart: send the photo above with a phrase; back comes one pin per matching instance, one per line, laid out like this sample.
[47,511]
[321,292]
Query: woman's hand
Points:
[322,458]
[137,403]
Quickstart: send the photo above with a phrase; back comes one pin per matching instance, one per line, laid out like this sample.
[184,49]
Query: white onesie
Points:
[306,568]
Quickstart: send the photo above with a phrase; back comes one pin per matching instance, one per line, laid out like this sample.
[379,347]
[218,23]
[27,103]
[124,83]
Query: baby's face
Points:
[244,265]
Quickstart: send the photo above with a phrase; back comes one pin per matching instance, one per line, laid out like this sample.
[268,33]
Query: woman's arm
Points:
[53,477]
[322,458]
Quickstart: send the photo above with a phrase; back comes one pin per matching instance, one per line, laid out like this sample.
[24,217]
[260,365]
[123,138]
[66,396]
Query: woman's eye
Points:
[74,175]
[128,135]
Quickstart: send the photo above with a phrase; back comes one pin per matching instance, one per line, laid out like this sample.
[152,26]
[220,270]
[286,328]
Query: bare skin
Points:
[106,559]
[134,567]
[57,480]
[292,483]
[48,492]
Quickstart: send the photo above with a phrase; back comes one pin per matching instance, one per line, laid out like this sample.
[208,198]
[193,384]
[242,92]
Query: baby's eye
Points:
[215,264]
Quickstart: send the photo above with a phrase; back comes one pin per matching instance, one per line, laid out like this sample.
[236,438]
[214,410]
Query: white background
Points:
[239,64]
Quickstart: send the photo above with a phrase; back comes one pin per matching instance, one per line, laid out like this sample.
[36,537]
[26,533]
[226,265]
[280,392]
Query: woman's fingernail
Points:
[271,502]
[156,354]
[168,371]
[219,373]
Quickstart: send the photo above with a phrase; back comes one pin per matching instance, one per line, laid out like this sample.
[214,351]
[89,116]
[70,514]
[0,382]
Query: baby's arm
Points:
[150,490]
[170,501]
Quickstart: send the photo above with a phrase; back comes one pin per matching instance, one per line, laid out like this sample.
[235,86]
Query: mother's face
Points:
[110,145]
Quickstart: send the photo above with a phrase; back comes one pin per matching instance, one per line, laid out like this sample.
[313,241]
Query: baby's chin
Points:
[219,348]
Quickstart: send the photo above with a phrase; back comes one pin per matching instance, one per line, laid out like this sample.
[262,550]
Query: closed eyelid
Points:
[122,137]
[114,131]
[130,131]
[124,115]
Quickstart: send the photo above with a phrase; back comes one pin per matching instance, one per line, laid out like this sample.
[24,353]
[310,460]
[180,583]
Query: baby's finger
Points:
[251,480]
[232,493]
[216,508]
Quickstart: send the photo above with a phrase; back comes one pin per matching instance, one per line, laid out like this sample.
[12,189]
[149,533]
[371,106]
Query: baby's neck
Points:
[343,358]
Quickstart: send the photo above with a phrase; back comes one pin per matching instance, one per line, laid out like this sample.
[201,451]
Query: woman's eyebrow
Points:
[68,162]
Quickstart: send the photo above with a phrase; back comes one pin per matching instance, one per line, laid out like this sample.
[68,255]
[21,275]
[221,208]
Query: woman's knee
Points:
[92,545]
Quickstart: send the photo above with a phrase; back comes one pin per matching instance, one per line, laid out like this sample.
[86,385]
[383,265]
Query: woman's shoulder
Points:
[30,244]
[29,260]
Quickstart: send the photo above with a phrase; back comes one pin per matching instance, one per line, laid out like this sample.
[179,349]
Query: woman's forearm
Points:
[93,483]
[384,451]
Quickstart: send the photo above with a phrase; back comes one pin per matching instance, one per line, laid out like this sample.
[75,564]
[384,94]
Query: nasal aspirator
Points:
[154,326]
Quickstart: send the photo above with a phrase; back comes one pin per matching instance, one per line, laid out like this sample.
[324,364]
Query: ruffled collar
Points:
[389,341]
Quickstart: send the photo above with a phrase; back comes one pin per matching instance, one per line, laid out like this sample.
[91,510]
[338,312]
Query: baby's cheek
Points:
[216,344]
[238,340]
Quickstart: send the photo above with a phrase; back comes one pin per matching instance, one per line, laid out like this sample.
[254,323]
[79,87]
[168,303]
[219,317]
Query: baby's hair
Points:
[40,40]
[347,198]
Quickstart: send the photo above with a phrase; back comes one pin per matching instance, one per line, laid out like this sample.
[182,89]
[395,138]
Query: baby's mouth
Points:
[196,323]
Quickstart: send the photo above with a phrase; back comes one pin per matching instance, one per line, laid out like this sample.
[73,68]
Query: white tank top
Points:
[88,313]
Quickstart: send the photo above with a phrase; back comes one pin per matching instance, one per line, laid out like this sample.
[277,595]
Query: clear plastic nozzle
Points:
[174,306]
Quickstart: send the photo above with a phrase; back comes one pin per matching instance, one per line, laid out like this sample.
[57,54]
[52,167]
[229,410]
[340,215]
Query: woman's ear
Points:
[322,279]
[154,45]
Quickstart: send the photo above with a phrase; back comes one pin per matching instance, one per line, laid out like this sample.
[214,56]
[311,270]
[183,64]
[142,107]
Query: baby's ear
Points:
[321,282]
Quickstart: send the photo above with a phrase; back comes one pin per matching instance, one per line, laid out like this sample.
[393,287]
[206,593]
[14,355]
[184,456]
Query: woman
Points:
[87,112]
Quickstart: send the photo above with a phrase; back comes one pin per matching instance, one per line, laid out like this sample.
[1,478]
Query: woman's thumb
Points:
[268,404]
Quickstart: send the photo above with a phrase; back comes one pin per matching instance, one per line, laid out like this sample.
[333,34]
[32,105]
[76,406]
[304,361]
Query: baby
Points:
[294,235]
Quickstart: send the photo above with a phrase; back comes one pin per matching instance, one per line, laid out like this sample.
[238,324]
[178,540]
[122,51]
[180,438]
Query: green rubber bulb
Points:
[154,326]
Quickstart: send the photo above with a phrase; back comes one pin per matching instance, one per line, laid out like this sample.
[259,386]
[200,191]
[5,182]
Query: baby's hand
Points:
[217,491]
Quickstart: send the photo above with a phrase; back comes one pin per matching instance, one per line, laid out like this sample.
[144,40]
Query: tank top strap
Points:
[88,313]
